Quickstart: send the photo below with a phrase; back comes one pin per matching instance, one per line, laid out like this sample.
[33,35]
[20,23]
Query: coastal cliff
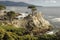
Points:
[36,23]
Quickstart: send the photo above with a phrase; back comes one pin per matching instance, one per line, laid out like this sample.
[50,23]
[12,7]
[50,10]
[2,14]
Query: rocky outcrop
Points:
[36,23]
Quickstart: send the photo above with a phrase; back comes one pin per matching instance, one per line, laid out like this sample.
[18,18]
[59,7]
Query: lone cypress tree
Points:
[33,8]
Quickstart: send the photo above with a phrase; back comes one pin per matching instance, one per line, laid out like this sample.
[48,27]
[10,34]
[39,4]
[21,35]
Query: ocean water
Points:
[52,14]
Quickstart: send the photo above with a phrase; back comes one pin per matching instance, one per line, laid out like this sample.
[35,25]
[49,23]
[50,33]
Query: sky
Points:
[39,2]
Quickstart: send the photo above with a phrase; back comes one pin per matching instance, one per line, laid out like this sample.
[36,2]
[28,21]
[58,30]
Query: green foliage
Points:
[11,15]
[2,7]
[10,28]
[8,36]
[33,8]
[28,37]
[9,32]
[2,32]
[48,37]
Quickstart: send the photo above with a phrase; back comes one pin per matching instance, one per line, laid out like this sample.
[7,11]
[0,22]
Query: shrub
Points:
[47,37]
[9,32]
[2,33]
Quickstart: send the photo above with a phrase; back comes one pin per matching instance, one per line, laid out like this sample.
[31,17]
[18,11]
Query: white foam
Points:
[23,15]
[50,32]
[56,20]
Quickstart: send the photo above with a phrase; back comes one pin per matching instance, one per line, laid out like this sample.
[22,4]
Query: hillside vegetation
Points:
[10,32]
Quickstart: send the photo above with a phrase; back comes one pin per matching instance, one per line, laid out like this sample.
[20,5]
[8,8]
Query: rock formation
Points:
[36,23]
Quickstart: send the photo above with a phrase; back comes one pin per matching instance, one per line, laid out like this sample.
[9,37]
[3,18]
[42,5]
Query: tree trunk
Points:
[32,12]
[10,19]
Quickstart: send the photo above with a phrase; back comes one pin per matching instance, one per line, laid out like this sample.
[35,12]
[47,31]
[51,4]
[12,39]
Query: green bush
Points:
[48,37]
[9,32]
[10,28]
[28,37]
[2,33]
